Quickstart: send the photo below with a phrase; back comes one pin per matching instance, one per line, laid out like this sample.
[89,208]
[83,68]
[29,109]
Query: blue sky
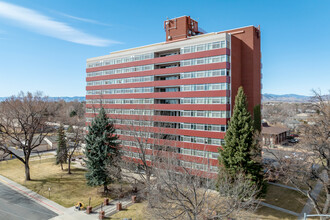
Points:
[44,44]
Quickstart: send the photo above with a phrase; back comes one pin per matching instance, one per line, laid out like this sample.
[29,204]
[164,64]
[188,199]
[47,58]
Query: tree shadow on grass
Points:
[56,180]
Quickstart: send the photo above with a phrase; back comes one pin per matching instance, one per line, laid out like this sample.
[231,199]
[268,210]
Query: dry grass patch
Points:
[40,156]
[285,198]
[278,196]
[135,212]
[65,189]
[265,213]
[301,186]
[138,212]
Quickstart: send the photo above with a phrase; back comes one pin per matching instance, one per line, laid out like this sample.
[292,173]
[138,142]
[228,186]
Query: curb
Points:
[51,205]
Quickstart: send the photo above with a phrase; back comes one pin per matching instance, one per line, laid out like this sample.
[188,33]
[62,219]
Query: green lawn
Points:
[65,189]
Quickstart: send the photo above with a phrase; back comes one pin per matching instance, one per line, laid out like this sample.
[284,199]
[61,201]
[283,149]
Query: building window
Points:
[203,47]
[121,60]
[204,60]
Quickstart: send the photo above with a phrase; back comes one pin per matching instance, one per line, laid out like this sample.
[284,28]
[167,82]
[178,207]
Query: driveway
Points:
[15,206]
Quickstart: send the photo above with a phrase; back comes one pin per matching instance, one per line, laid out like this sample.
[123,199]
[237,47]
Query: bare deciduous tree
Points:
[61,109]
[71,114]
[147,145]
[3,154]
[311,162]
[152,159]
[181,193]
[139,161]
[23,124]
[76,138]
[276,113]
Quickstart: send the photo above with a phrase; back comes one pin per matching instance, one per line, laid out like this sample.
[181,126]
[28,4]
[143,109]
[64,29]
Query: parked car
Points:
[268,161]
[293,141]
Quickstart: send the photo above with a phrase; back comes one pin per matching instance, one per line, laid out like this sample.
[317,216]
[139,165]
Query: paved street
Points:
[281,152]
[20,153]
[15,206]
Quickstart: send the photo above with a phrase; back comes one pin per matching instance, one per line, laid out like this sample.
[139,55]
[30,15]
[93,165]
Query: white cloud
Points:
[45,25]
[83,19]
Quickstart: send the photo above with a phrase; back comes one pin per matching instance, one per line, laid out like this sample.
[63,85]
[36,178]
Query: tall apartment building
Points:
[183,88]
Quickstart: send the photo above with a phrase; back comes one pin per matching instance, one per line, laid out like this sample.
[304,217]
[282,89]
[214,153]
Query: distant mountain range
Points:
[65,98]
[69,99]
[265,98]
[285,98]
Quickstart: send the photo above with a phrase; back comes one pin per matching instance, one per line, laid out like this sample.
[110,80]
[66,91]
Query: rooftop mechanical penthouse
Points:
[180,92]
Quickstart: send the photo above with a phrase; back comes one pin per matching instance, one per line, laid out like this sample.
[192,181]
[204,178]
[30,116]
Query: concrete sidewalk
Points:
[279,209]
[70,213]
[63,212]
[53,206]
[81,215]
[308,208]
[16,206]
[284,186]
[112,207]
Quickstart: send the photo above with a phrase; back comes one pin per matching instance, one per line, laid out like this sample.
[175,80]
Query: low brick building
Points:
[272,135]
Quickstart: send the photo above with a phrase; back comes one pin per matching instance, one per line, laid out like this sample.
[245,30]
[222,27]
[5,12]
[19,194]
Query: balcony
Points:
[167,65]
[167,101]
[167,53]
[167,77]
[166,124]
[167,113]
[167,89]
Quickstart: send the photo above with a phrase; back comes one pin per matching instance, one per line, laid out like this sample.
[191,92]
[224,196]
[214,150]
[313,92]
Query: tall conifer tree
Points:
[239,143]
[62,150]
[257,118]
[102,150]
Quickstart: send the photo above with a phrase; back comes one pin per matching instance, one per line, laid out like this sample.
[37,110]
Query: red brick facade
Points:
[238,56]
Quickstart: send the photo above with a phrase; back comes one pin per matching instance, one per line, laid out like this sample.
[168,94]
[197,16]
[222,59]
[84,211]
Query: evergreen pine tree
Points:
[257,118]
[257,134]
[239,143]
[73,113]
[62,150]
[101,150]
